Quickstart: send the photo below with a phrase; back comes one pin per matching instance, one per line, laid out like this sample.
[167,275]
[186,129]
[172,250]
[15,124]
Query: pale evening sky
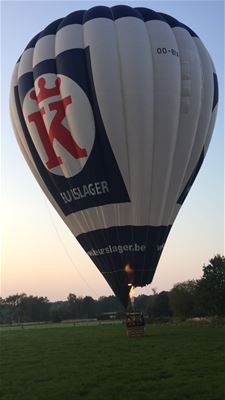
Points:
[40,256]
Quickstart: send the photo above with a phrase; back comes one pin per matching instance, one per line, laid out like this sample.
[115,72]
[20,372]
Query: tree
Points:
[108,304]
[6,315]
[160,305]
[73,306]
[182,299]
[88,306]
[14,306]
[211,288]
[142,303]
[55,315]
[59,310]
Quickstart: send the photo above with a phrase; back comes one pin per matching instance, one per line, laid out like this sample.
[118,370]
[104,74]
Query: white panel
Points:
[69,37]
[205,115]
[137,83]
[100,36]
[122,70]
[14,79]
[26,62]
[190,107]
[44,49]
[167,89]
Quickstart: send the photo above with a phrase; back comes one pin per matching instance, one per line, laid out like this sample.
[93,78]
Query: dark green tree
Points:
[182,299]
[73,306]
[160,305]
[108,304]
[142,303]
[211,288]
[88,306]
[14,306]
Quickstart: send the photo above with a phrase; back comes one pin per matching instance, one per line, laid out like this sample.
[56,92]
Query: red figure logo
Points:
[57,130]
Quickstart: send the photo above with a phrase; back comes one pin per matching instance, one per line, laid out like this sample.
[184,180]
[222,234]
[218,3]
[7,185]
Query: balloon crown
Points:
[44,92]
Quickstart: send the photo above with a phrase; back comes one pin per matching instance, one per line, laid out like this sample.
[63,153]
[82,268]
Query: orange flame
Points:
[128,268]
[131,293]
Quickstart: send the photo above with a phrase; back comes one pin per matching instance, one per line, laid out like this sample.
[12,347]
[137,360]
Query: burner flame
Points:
[131,292]
[130,274]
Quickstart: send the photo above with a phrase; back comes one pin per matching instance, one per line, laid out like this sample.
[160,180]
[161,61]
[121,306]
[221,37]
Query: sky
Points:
[40,256]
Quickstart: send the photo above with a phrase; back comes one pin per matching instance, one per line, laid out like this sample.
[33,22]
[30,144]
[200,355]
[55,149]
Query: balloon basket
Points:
[135,325]
[136,331]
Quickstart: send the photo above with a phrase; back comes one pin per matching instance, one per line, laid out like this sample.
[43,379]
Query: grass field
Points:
[99,362]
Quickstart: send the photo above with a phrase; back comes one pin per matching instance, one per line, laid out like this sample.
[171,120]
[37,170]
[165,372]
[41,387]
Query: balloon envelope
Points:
[113,109]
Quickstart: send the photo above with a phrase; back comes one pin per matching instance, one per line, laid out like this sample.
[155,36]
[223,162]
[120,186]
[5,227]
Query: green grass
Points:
[99,362]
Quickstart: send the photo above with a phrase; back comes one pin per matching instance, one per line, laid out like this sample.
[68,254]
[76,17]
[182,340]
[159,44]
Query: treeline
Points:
[194,298]
[22,308]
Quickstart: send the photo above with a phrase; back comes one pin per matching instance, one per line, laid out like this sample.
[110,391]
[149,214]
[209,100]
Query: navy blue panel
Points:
[97,12]
[73,18]
[114,13]
[149,15]
[52,28]
[65,64]
[26,83]
[44,67]
[191,179]
[41,168]
[113,248]
[174,22]
[88,188]
[125,11]
[216,91]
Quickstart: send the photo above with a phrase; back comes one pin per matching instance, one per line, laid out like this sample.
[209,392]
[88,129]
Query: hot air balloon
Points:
[113,109]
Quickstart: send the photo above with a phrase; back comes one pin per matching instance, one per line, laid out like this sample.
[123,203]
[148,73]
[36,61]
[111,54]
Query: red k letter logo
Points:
[57,130]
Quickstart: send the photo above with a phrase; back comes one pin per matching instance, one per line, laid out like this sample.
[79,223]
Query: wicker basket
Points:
[135,331]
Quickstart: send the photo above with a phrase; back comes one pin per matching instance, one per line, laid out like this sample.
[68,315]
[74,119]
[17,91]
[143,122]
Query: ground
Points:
[99,362]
